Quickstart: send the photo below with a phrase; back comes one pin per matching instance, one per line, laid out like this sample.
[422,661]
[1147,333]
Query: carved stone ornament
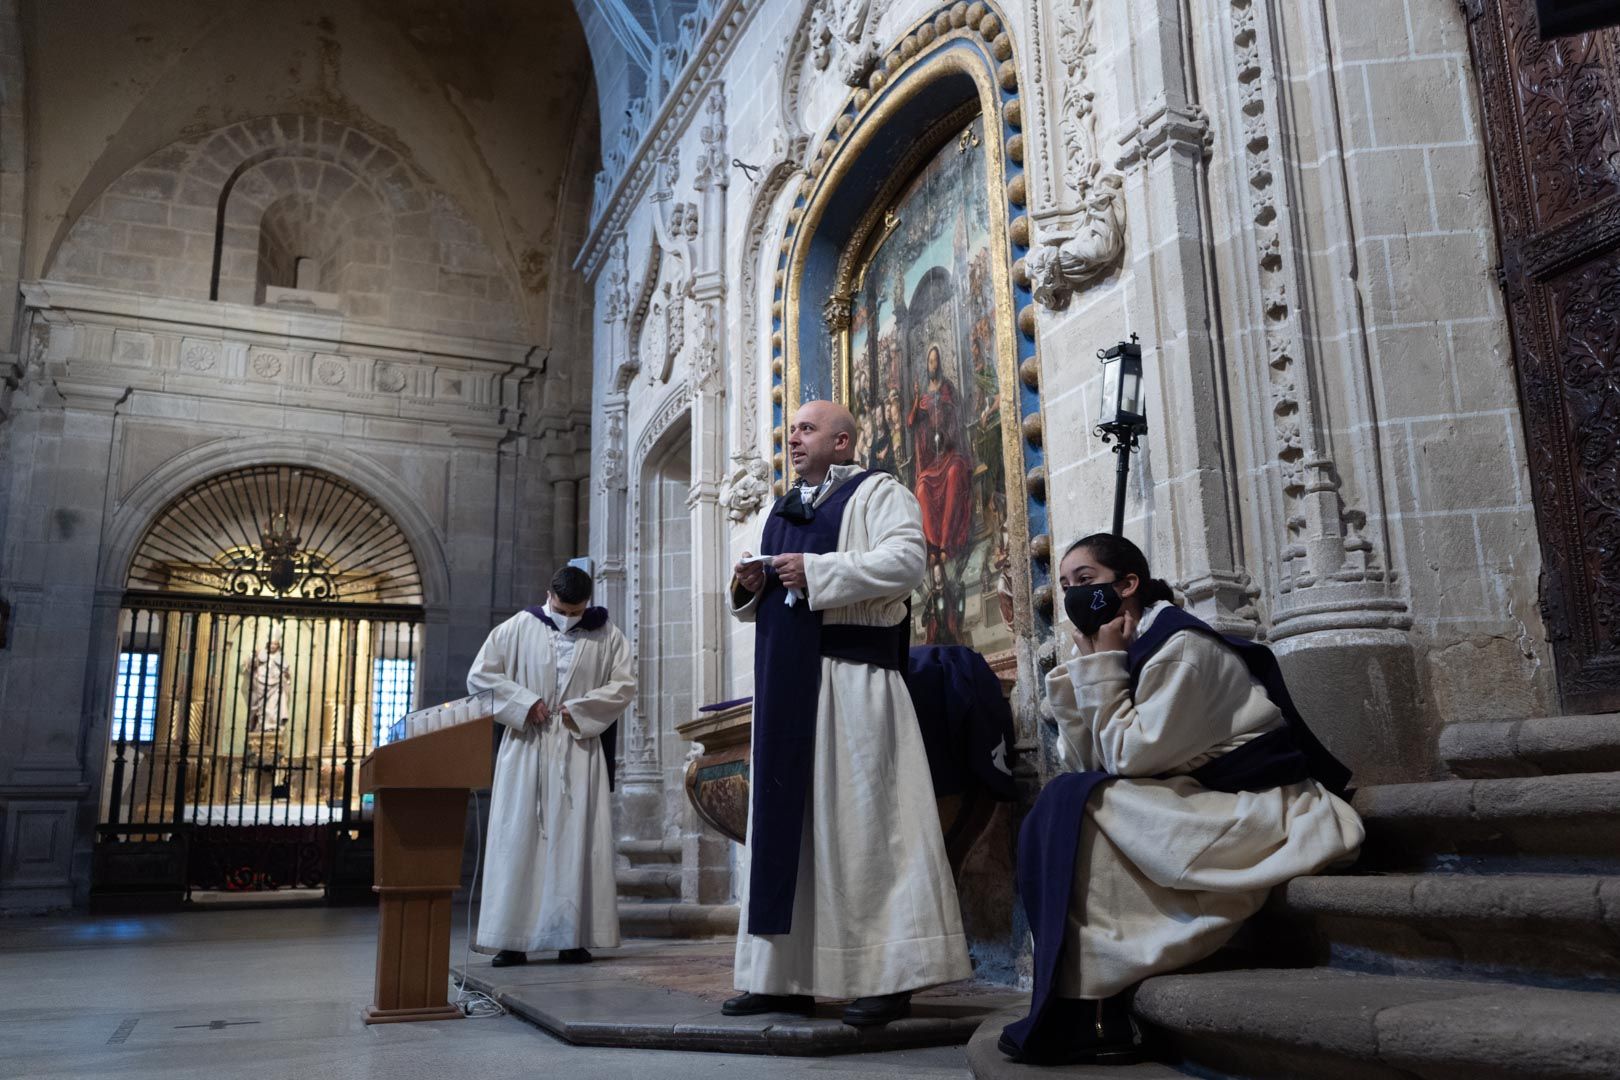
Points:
[836,312]
[390,378]
[713,170]
[706,355]
[616,294]
[612,479]
[331,372]
[841,33]
[200,357]
[1083,216]
[267,365]
[1064,264]
[748,488]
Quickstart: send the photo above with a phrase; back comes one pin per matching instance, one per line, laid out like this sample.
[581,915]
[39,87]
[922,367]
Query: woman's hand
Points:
[1081,642]
[1116,636]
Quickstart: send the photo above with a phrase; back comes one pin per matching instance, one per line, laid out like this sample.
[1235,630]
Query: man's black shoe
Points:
[509,957]
[876,1011]
[1092,1033]
[574,956]
[755,1004]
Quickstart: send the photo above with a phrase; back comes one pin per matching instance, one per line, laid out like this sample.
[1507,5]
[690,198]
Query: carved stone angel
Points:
[748,488]
[1058,268]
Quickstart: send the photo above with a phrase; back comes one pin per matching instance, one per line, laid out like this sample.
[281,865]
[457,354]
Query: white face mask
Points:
[564,622]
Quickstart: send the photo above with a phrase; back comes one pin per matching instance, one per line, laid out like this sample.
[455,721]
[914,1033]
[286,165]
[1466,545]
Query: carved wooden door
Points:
[1554,141]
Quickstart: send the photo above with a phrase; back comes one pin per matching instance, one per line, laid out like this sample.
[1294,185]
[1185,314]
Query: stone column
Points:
[1163,151]
[1298,335]
[59,440]
[704,860]
[564,514]
[470,543]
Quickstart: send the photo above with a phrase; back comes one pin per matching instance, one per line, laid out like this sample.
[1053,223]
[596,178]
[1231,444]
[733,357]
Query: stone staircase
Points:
[1477,937]
[649,878]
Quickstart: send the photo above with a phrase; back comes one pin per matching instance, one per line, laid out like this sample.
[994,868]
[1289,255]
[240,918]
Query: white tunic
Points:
[875,908]
[1168,869]
[548,861]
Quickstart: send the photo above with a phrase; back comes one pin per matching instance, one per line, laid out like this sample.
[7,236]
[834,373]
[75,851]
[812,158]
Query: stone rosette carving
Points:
[267,365]
[748,488]
[331,372]
[390,378]
[201,357]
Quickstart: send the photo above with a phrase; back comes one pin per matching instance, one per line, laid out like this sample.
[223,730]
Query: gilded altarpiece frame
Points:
[947,336]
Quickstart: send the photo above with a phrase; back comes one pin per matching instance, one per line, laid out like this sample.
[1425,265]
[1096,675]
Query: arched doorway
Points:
[270,634]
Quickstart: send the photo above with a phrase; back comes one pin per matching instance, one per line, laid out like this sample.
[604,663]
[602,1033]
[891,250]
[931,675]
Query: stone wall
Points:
[1335,457]
[128,401]
[223,215]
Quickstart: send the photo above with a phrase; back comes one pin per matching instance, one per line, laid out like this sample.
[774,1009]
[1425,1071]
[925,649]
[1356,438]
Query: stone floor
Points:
[666,994]
[275,993]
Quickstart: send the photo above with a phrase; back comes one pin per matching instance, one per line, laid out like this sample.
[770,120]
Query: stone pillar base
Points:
[1358,690]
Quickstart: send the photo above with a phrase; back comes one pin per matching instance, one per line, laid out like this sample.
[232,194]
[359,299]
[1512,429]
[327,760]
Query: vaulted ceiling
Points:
[493,100]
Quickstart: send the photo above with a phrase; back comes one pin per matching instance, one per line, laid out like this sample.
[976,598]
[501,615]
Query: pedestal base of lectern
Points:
[374,1015]
[413,956]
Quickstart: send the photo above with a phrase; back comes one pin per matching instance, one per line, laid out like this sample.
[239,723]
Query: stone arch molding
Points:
[185,223]
[136,511]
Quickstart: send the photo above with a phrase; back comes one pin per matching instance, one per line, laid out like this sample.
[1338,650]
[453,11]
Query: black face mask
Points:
[1091,607]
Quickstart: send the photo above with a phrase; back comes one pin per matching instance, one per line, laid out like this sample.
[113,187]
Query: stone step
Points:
[1545,929]
[650,852]
[1340,1025]
[1540,747]
[653,883]
[647,920]
[1567,823]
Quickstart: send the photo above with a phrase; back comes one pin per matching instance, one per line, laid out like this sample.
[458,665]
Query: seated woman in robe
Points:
[1178,842]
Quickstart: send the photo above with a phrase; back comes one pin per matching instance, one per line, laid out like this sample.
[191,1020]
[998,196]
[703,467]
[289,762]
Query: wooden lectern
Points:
[419,825]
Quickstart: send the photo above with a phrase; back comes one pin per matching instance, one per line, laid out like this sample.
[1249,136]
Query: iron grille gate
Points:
[237,731]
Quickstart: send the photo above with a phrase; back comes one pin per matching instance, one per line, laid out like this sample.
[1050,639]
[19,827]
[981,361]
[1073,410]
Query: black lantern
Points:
[1122,401]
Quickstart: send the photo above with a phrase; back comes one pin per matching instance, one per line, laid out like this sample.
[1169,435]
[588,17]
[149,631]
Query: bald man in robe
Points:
[849,892]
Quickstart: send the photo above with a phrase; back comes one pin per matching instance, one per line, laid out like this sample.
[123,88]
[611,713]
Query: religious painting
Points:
[925,387]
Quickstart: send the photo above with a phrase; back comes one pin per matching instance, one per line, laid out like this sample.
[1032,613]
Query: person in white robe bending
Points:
[562,675]
[849,892]
[1199,789]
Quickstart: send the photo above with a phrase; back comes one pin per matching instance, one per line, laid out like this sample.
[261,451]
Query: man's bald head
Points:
[822,435]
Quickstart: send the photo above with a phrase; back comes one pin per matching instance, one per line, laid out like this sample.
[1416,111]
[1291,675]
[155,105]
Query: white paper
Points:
[793,595]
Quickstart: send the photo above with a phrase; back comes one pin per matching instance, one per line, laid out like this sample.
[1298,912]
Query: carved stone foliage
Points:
[616,296]
[1082,210]
[712,168]
[1554,150]
[706,366]
[612,474]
